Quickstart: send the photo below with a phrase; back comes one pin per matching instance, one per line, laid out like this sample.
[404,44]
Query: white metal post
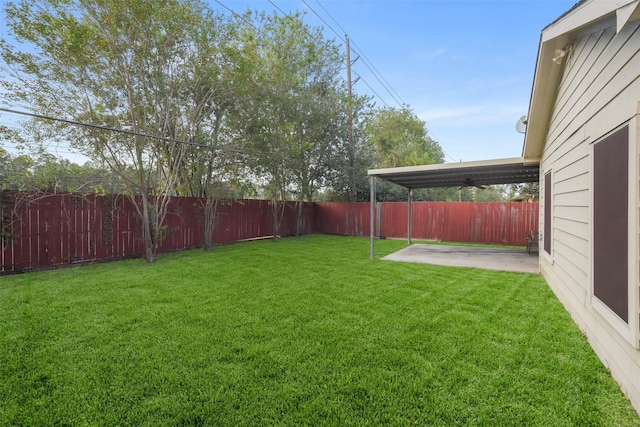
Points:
[409,208]
[372,215]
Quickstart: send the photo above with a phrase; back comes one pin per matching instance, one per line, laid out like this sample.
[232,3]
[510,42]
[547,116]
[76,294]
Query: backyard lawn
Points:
[303,331]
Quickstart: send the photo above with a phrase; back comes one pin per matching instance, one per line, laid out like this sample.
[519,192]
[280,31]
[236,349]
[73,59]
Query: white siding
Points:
[599,91]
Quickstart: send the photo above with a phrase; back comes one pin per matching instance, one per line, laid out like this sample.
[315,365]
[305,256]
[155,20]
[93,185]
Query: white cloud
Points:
[470,115]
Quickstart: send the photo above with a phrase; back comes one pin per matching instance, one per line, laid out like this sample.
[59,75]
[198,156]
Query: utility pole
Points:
[352,150]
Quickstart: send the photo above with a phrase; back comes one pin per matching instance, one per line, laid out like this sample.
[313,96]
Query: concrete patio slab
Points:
[503,259]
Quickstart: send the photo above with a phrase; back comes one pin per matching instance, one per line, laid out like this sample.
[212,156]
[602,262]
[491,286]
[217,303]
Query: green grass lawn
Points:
[304,331]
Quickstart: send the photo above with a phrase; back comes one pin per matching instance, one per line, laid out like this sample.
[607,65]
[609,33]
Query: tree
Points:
[211,166]
[48,174]
[341,174]
[400,138]
[290,114]
[529,190]
[491,193]
[122,64]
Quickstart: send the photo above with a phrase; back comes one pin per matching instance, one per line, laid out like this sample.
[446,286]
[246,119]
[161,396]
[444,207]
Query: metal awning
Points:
[479,173]
[487,172]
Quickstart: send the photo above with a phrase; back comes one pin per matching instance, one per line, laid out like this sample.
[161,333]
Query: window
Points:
[611,221]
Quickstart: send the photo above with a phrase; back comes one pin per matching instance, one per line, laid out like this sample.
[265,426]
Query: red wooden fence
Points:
[47,231]
[500,223]
[347,219]
[54,230]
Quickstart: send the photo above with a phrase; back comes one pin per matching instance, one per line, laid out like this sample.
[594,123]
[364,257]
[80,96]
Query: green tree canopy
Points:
[400,138]
[125,64]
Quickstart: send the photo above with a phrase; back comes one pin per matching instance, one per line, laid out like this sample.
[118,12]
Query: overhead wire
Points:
[223,149]
[325,22]
[374,71]
[366,61]
[329,27]
[379,75]
[100,127]
[360,52]
[372,90]
[243,17]
[330,16]
[372,68]
[435,138]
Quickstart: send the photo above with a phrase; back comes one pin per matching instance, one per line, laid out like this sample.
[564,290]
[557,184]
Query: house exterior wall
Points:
[599,92]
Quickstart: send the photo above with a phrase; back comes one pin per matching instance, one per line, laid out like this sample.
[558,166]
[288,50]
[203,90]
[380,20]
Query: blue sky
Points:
[465,67]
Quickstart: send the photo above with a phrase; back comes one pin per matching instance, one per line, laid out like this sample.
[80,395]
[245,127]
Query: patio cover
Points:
[464,174]
[487,172]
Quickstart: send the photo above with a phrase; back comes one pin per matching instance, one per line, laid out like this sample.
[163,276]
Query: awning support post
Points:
[409,212]
[372,215]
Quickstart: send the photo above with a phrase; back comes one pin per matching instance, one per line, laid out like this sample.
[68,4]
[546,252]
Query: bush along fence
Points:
[46,231]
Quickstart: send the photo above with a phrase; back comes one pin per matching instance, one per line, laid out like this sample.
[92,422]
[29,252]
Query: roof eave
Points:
[557,35]
[545,85]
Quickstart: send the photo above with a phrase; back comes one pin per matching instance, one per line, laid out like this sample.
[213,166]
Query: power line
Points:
[91,125]
[128,132]
[361,53]
[243,17]
[378,76]
[276,6]
[327,12]
[325,22]
[376,73]
[436,139]
[372,89]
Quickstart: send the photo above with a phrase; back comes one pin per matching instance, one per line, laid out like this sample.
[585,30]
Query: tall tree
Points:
[341,175]
[126,64]
[400,138]
[292,113]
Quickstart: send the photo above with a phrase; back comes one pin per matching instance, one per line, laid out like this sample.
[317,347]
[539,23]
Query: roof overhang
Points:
[585,17]
[486,172]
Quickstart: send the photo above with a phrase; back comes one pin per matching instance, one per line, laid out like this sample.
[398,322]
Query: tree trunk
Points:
[210,220]
[148,231]
[299,218]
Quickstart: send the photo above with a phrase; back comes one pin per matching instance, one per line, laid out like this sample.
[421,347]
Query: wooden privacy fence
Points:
[500,223]
[39,232]
[47,231]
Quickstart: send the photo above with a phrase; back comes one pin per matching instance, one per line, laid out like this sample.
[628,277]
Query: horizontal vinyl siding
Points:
[577,243]
[572,213]
[599,90]
[601,67]
[576,228]
[573,198]
[596,78]
[572,184]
